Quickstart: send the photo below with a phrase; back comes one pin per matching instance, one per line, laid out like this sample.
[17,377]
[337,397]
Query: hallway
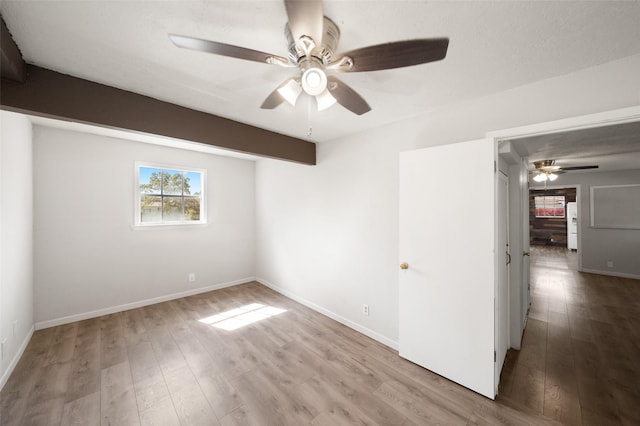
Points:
[580,356]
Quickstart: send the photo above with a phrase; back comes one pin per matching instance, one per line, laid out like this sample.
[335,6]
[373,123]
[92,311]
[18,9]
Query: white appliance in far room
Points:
[572,226]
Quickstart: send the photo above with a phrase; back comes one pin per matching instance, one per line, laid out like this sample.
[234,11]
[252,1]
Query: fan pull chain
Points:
[309,127]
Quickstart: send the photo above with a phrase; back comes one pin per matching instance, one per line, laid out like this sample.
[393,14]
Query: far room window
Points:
[167,195]
[550,206]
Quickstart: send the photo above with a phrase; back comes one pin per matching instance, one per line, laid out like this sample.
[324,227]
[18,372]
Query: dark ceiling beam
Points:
[12,65]
[50,94]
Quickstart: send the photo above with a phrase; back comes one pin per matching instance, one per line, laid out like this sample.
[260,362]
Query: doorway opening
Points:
[554,214]
[577,329]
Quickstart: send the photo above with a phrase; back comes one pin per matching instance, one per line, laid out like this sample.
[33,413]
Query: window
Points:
[168,195]
[549,206]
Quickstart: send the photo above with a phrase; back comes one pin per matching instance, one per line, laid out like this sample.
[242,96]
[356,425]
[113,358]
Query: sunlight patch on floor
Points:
[242,316]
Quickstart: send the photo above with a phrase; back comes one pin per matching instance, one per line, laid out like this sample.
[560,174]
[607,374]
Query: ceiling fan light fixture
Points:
[290,92]
[541,177]
[314,81]
[552,176]
[312,45]
[325,100]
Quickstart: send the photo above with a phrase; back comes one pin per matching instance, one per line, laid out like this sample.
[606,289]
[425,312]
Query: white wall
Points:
[622,246]
[16,238]
[328,235]
[88,258]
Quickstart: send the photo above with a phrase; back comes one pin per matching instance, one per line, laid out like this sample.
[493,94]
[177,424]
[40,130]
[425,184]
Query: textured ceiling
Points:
[494,46]
[614,147]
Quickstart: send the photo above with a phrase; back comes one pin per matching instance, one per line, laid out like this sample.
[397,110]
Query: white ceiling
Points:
[494,46]
[613,147]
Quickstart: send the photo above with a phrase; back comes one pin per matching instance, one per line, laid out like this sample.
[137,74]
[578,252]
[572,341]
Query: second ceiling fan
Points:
[547,170]
[312,41]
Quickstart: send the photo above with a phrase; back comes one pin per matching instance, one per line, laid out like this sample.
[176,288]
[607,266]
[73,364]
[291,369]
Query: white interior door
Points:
[447,223]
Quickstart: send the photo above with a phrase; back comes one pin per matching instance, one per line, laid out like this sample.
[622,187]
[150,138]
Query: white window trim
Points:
[137,224]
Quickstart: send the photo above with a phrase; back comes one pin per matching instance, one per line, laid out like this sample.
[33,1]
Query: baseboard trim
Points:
[16,358]
[612,274]
[120,308]
[355,326]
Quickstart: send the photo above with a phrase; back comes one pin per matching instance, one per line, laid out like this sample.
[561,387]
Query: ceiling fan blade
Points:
[578,168]
[541,171]
[347,97]
[395,55]
[272,101]
[306,18]
[288,91]
[223,49]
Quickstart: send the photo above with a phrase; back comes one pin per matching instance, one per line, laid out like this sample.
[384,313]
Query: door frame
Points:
[600,119]
[499,339]
[619,116]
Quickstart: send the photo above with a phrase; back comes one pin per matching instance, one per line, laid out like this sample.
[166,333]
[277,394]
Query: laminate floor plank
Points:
[118,404]
[191,308]
[507,412]
[17,391]
[529,387]
[580,326]
[166,350]
[133,328]
[354,382]
[84,375]
[387,374]
[294,363]
[47,399]
[590,418]
[587,361]
[420,407]
[269,401]
[222,396]
[154,402]
[112,345]
[162,365]
[507,374]
[62,345]
[83,411]
[241,416]
[377,408]
[192,350]
[191,405]
[533,351]
[289,397]
[153,317]
[240,356]
[330,403]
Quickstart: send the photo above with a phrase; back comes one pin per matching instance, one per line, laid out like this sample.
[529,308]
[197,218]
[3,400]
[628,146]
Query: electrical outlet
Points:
[365,309]
[609,263]
[192,277]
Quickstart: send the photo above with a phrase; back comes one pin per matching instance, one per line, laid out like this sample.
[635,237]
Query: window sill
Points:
[158,226]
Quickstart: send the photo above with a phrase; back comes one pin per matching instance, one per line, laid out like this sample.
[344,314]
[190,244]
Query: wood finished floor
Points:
[580,356]
[159,365]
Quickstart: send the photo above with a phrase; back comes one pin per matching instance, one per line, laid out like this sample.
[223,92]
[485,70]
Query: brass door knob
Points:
[526,253]
[404,265]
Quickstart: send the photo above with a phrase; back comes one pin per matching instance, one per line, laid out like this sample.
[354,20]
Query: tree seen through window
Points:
[169,195]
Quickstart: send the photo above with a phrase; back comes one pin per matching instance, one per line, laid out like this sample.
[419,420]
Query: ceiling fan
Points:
[312,40]
[547,170]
